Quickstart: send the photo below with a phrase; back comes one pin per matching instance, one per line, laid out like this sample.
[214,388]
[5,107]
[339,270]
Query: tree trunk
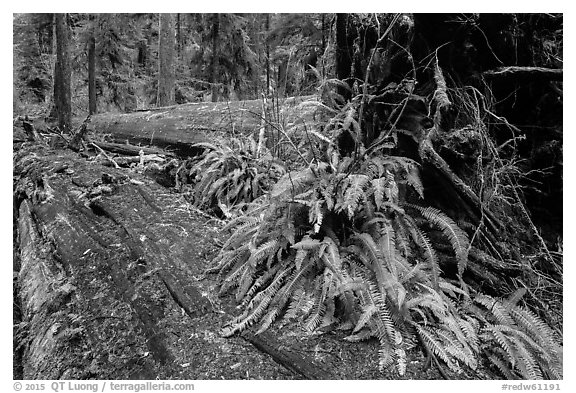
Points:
[166,77]
[214,62]
[178,36]
[343,58]
[105,274]
[62,74]
[267,56]
[92,75]
[180,126]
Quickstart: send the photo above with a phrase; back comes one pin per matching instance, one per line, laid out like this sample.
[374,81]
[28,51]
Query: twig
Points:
[105,155]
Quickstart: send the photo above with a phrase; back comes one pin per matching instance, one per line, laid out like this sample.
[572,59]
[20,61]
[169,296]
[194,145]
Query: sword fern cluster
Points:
[234,171]
[333,245]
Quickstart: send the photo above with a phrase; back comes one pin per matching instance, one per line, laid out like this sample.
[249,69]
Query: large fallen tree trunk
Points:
[178,127]
[106,267]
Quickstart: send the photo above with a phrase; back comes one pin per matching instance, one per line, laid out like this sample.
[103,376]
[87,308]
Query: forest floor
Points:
[113,240]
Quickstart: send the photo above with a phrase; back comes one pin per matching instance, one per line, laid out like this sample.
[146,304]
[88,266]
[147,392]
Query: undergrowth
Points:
[231,172]
[345,242]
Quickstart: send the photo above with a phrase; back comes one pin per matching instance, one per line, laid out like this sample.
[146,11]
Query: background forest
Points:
[416,199]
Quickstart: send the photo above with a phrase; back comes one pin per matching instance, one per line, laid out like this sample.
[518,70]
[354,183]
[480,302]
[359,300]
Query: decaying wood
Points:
[66,257]
[178,127]
[296,363]
[79,136]
[184,292]
[118,162]
[104,261]
[129,150]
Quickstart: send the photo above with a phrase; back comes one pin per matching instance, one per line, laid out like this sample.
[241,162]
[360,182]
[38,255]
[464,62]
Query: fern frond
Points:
[300,303]
[456,347]
[354,186]
[385,358]
[428,338]
[503,342]
[430,256]
[388,246]
[266,295]
[319,308]
[226,260]
[245,281]
[502,367]
[527,364]
[265,250]
[261,281]
[233,279]
[400,361]
[496,308]
[385,326]
[268,319]
[367,314]
[413,179]
[379,190]
[457,237]
[292,183]
[316,215]
[292,284]
[242,234]
[470,334]
[538,330]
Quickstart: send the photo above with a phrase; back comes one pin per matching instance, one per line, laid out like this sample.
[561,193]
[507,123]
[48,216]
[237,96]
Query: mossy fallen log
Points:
[178,127]
[107,282]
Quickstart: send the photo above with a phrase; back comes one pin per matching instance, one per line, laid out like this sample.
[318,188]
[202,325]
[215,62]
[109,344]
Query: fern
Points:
[455,235]
[231,172]
[519,342]
[342,232]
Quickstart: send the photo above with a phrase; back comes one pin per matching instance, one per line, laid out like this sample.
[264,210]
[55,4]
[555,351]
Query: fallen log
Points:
[178,127]
[106,268]
[144,221]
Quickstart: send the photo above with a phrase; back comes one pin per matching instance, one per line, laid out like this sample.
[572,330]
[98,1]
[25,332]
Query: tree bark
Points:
[62,74]
[166,77]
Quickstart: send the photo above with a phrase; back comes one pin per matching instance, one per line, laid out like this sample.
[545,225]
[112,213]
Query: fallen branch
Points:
[517,72]
[129,150]
[110,159]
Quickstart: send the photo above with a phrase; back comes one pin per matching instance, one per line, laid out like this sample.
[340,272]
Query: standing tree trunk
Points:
[62,74]
[166,92]
[343,58]
[214,65]
[92,74]
[267,55]
[178,36]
